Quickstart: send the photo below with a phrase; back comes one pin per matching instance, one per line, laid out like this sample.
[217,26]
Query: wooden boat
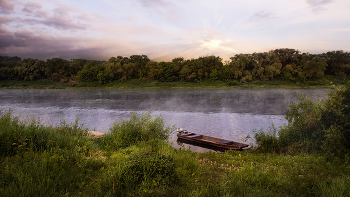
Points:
[210,141]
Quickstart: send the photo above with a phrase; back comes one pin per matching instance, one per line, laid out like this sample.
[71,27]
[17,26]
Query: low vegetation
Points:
[322,127]
[307,157]
[326,82]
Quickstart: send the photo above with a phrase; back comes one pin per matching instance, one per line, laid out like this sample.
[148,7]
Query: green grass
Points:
[309,158]
[135,159]
[326,81]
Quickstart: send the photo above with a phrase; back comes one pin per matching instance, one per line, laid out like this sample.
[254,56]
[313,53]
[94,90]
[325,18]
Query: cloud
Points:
[31,7]
[25,44]
[6,7]
[216,45]
[149,3]
[63,17]
[166,9]
[262,15]
[4,20]
[317,5]
[7,39]
[34,9]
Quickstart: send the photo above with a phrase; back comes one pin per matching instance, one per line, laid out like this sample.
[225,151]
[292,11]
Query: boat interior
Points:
[209,139]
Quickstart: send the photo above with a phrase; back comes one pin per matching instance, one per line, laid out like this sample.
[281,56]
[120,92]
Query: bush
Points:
[321,127]
[267,141]
[140,128]
[152,168]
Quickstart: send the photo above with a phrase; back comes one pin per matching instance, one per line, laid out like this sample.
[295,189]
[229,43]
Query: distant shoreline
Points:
[139,84]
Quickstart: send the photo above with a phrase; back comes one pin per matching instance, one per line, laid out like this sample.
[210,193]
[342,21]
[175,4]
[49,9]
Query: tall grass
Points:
[38,161]
[17,136]
[135,159]
[140,128]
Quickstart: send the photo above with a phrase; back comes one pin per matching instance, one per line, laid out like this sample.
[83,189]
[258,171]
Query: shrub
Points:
[267,141]
[321,127]
[139,128]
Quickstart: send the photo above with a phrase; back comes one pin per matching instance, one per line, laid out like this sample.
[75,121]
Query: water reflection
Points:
[225,113]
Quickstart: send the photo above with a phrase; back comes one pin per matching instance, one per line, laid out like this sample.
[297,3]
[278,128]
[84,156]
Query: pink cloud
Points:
[6,7]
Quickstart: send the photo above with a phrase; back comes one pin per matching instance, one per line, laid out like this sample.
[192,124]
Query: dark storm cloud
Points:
[7,39]
[25,44]
[6,7]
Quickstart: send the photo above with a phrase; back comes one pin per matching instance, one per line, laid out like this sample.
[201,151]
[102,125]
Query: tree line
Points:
[288,64]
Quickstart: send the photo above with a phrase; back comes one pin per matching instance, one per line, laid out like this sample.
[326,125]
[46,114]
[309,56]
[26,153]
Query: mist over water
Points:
[224,113]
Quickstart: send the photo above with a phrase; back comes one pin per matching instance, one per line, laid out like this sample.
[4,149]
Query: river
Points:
[224,113]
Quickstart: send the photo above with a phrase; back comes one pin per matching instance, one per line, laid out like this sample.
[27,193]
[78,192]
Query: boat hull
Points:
[210,141]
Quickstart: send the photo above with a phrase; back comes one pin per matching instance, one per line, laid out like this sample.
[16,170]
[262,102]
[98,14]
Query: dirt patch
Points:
[72,80]
[95,134]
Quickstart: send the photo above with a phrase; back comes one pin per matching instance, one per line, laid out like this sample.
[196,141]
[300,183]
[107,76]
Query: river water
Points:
[223,113]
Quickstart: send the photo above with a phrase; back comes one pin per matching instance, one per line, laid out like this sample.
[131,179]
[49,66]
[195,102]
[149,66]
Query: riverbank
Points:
[325,82]
[135,159]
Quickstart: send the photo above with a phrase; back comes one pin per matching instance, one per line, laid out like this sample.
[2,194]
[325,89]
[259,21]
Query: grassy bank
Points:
[135,159]
[326,81]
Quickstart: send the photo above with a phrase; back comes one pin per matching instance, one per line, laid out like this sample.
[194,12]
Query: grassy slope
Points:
[54,161]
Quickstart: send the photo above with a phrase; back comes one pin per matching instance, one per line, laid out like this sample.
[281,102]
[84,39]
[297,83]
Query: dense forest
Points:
[287,64]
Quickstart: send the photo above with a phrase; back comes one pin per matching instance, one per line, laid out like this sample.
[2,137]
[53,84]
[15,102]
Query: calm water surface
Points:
[224,113]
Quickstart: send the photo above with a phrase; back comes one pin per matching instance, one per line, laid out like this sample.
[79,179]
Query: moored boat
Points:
[209,141]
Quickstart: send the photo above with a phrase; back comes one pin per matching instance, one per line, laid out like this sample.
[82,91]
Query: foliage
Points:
[321,127]
[141,128]
[17,136]
[90,73]
[286,64]
[267,141]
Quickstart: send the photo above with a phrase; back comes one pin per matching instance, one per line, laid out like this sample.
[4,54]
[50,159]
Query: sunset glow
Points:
[165,29]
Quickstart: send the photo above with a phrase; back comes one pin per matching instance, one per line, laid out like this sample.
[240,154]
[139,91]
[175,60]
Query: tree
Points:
[153,69]
[186,73]
[139,64]
[111,69]
[30,69]
[178,64]
[169,73]
[241,63]
[338,63]
[214,75]
[225,73]
[287,56]
[126,70]
[77,65]
[313,66]
[57,68]
[91,74]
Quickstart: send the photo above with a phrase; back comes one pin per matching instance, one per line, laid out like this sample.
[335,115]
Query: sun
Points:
[216,44]
[212,44]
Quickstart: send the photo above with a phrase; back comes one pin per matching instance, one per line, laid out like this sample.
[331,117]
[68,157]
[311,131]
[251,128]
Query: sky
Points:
[166,29]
